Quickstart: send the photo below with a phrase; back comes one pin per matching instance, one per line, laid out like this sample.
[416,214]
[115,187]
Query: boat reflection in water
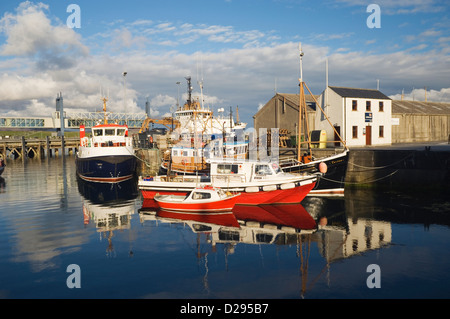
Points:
[108,206]
[256,225]
[319,228]
[268,224]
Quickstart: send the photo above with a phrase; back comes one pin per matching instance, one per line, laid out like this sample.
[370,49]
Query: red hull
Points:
[223,219]
[285,196]
[293,215]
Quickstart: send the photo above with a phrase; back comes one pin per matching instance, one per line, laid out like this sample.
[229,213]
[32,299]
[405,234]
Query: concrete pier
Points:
[37,148]
[420,167]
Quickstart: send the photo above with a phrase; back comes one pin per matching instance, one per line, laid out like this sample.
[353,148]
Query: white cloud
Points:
[15,87]
[30,33]
[442,95]
[243,75]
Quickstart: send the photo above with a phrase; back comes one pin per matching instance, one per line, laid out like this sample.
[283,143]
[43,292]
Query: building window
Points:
[355,131]
[381,106]
[381,132]
[368,106]
[354,105]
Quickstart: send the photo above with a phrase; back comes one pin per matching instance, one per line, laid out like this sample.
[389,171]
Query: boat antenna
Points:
[200,82]
[301,62]
[189,101]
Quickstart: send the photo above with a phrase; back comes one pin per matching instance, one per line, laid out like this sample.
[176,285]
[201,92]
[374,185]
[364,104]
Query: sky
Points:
[243,51]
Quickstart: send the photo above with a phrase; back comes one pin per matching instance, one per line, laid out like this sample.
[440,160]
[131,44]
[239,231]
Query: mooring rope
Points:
[363,182]
[380,167]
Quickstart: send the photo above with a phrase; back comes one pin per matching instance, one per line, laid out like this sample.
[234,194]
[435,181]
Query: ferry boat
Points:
[206,199]
[258,182]
[108,155]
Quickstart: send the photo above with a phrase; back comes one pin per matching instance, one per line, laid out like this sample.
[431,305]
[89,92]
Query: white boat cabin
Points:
[246,170]
[107,135]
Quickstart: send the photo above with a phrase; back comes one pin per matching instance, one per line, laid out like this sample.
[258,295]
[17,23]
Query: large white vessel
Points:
[200,136]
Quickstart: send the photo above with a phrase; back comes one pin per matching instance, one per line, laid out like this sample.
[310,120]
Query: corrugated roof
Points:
[420,107]
[359,93]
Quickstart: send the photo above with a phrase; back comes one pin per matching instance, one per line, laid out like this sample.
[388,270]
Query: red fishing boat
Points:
[258,182]
[202,199]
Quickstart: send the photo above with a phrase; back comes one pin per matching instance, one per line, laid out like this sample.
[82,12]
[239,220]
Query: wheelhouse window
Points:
[262,170]
[227,169]
[276,168]
[354,131]
[98,132]
[120,132]
[201,195]
[110,132]
[354,105]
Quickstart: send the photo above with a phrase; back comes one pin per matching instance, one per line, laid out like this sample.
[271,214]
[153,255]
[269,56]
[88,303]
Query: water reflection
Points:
[341,233]
[269,224]
[319,224]
[109,207]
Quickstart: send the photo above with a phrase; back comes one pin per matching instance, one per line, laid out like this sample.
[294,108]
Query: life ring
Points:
[84,141]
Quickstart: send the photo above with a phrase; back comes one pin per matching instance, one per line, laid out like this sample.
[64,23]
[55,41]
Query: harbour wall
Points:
[149,161]
[419,168]
[411,168]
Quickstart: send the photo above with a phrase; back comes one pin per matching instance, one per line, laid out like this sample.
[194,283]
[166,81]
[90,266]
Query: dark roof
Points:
[359,93]
[294,98]
[420,107]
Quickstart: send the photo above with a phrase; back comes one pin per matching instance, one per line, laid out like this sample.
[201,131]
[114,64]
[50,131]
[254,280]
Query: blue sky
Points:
[244,50]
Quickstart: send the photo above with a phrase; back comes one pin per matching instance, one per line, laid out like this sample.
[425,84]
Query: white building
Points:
[361,116]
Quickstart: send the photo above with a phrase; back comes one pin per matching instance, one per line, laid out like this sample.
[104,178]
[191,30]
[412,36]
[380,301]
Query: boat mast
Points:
[105,119]
[302,109]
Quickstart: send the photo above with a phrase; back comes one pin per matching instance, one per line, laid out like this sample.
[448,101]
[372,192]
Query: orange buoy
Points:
[323,167]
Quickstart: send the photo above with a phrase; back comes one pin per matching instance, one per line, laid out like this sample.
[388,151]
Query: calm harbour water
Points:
[50,220]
